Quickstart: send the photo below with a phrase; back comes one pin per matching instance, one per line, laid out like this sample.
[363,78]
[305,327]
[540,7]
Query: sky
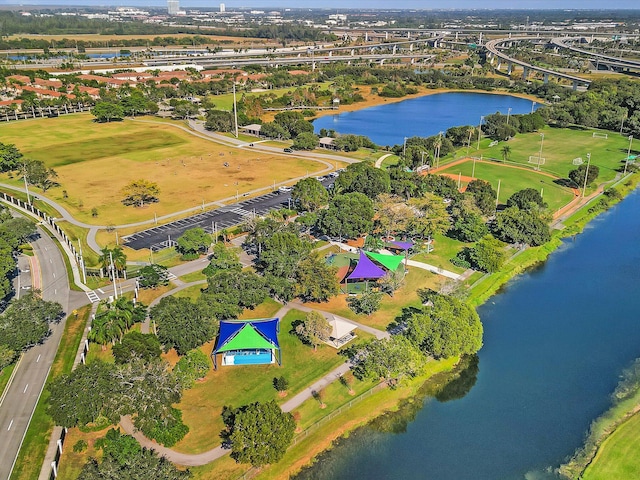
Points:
[345,4]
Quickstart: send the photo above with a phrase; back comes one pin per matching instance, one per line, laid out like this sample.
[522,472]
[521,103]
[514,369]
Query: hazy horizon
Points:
[352,4]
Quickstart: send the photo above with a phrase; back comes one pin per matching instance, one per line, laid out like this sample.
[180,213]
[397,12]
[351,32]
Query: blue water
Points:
[421,117]
[556,340]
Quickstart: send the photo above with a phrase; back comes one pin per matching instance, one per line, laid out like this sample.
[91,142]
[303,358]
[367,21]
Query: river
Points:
[388,124]
[556,340]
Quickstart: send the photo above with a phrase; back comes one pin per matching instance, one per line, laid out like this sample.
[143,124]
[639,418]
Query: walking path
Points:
[192,460]
[378,163]
[412,263]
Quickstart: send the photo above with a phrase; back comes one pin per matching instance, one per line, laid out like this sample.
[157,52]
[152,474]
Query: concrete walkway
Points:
[378,163]
[192,460]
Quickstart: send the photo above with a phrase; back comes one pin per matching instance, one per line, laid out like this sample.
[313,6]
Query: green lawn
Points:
[237,386]
[5,374]
[619,455]
[514,179]
[561,146]
[444,249]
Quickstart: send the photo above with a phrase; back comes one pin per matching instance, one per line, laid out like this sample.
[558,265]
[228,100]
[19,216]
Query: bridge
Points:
[494,52]
[612,63]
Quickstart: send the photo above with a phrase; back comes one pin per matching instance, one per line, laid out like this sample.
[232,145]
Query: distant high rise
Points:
[222,8]
[173,7]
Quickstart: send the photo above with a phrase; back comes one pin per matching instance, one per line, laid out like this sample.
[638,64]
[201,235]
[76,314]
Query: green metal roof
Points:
[246,338]
[390,262]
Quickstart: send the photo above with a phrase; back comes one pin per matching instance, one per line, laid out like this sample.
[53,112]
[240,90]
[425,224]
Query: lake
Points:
[556,340]
[421,117]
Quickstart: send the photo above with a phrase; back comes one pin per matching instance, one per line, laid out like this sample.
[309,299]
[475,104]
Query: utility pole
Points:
[508,115]
[479,131]
[84,273]
[235,108]
[540,153]
[628,155]
[586,174]
[26,184]
[113,273]
[498,193]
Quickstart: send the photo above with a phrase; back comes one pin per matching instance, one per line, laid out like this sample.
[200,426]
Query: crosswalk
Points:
[93,296]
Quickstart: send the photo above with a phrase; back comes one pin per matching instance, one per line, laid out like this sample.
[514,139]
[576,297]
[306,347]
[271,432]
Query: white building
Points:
[222,8]
[173,7]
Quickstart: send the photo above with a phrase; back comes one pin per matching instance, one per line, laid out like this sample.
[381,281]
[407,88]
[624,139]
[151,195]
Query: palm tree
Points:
[119,259]
[506,151]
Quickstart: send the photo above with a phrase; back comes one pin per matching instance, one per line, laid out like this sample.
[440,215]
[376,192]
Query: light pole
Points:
[235,108]
[533,106]
[586,174]
[480,131]
[404,148]
[628,155]
[508,115]
[540,153]
[622,122]
[26,184]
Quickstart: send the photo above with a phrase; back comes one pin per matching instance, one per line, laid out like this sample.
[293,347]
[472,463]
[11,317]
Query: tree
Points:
[109,325]
[280,383]
[447,328]
[26,321]
[193,366]
[393,214]
[488,255]
[306,141]
[39,175]
[107,112]
[137,345]
[95,380]
[314,329]
[469,227]
[17,230]
[219,121]
[577,176]
[139,192]
[6,356]
[526,199]
[430,216]
[152,276]
[315,280]
[193,242]
[513,225]
[348,216]
[309,195]
[143,466]
[391,359]
[506,152]
[119,447]
[274,130]
[234,290]
[365,304]
[261,433]
[363,178]
[182,324]
[484,195]
[282,253]
[115,254]
[222,258]
[10,157]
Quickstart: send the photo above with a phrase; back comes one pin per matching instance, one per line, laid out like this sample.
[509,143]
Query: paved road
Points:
[49,272]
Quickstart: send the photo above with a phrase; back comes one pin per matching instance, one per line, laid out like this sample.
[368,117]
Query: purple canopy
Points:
[366,269]
[402,245]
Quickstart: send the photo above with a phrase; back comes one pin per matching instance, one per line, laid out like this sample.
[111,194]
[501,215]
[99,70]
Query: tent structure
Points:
[366,269]
[341,333]
[401,245]
[390,262]
[248,342]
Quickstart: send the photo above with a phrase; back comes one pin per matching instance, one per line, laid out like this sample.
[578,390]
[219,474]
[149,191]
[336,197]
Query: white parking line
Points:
[25,388]
[38,359]
[11,423]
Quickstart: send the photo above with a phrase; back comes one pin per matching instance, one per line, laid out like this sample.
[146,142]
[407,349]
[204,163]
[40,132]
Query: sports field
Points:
[95,161]
[618,455]
[561,146]
[511,180]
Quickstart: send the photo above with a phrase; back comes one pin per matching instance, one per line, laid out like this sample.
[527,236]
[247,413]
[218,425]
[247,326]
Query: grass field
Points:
[514,179]
[202,404]
[95,161]
[619,455]
[561,146]
[5,374]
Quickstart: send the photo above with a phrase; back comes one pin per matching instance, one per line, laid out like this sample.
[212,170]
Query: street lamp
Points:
[533,106]
[540,153]
[628,155]
[404,148]
[480,131]
[586,174]
[508,115]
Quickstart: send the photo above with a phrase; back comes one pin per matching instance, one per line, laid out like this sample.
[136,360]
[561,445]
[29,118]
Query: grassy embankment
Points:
[36,440]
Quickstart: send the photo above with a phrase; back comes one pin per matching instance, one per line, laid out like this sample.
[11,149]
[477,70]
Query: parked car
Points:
[288,150]
[284,189]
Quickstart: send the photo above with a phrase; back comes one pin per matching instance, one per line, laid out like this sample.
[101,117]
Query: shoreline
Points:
[373,100]
[346,423]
